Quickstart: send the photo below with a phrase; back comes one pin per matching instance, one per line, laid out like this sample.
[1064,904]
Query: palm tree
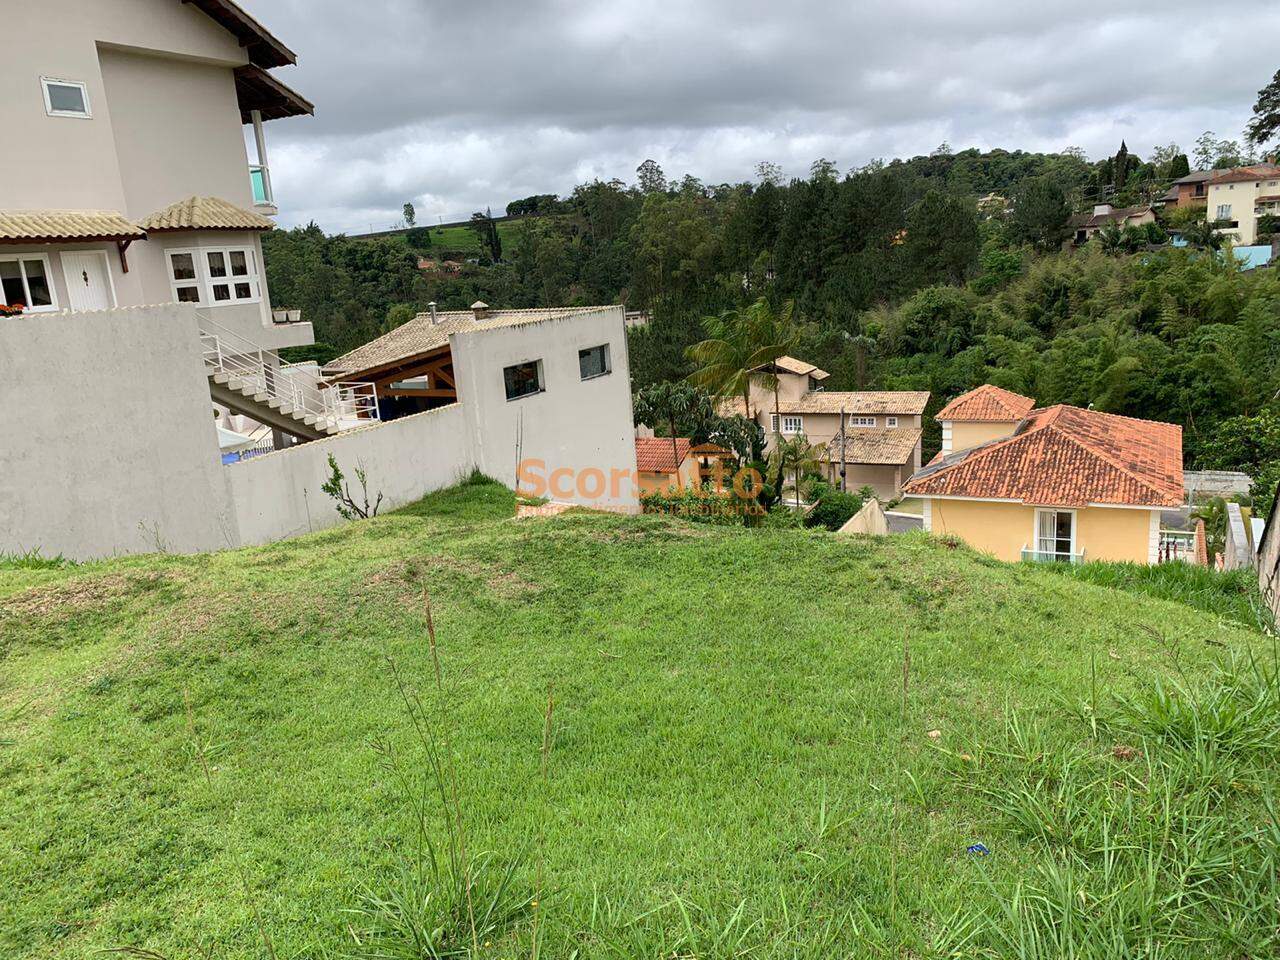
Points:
[798,456]
[739,342]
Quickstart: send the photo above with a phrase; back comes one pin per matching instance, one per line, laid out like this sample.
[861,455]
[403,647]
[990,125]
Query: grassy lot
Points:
[201,754]
[465,240]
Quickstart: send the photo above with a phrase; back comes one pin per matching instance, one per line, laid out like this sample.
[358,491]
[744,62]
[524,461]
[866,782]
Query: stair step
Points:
[219,376]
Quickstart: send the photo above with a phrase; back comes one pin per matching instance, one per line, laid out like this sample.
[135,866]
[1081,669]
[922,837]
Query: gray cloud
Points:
[459,106]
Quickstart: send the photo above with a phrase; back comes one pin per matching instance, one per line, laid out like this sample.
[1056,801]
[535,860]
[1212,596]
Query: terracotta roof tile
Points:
[868,445]
[987,403]
[23,226]
[653,454]
[800,367]
[205,213]
[1257,171]
[1066,456]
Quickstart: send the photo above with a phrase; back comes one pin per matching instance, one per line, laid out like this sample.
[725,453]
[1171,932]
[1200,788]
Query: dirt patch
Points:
[81,594]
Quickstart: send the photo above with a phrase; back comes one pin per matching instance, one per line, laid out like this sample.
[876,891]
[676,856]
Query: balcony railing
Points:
[1051,556]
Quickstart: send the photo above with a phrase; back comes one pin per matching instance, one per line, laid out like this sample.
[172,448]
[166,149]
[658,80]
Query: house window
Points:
[1056,535]
[24,282]
[65,98]
[890,421]
[215,276]
[793,424]
[773,423]
[1224,211]
[862,421]
[523,379]
[594,362]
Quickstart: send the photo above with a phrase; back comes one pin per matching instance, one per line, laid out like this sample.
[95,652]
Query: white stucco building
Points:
[127,176]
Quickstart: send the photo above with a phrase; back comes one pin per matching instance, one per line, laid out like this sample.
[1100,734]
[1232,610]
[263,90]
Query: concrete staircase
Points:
[247,379]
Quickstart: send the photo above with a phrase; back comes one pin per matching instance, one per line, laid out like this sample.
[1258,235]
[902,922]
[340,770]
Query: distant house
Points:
[1104,215]
[1189,191]
[1059,483]
[1237,198]
[664,465]
[882,428]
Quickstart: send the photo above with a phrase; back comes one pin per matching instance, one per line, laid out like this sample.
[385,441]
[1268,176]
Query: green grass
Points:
[467,241]
[733,766]
[1232,594]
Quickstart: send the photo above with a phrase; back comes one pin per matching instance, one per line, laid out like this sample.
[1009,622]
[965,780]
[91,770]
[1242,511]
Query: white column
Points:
[260,142]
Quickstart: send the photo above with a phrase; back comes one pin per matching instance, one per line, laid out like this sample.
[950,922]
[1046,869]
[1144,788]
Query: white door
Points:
[89,285]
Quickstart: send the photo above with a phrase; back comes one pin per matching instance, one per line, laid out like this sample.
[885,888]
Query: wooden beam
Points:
[122,246]
[436,393]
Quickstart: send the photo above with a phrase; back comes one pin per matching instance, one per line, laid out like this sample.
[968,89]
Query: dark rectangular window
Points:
[523,379]
[594,361]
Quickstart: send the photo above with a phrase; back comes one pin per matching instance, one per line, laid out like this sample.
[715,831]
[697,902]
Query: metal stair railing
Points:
[341,406]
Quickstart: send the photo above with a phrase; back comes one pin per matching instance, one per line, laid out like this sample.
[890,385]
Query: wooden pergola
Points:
[435,365]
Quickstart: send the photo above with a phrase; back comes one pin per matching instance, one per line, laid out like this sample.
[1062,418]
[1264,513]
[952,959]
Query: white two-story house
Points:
[126,176]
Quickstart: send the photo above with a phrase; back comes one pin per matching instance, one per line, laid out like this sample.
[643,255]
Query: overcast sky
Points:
[461,105]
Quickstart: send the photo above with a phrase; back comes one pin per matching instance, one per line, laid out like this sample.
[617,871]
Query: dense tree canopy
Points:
[897,280]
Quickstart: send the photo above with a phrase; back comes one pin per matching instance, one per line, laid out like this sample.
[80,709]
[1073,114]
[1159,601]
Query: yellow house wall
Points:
[966,434]
[1003,529]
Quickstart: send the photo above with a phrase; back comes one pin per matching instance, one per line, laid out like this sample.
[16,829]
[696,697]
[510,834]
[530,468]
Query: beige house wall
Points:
[1243,199]
[966,434]
[73,163]
[885,479]
[651,480]
[1003,529]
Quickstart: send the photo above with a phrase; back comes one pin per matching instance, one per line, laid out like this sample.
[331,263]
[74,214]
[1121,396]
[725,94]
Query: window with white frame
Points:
[862,421]
[774,423]
[24,282]
[793,424]
[890,421]
[1056,534]
[216,276]
[1224,211]
[65,98]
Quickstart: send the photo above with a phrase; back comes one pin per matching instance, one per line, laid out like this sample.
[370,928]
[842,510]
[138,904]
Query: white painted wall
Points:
[278,495]
[575,424]
[125,459]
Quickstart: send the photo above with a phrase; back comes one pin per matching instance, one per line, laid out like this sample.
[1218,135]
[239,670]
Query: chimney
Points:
[480,309]
[432,307]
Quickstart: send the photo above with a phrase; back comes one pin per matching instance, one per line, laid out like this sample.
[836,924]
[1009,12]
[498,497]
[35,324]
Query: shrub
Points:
[834,508]
[701,504]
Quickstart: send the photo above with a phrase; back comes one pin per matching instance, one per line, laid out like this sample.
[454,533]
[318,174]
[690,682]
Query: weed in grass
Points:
[439,903]
[1169,848]
[33,560]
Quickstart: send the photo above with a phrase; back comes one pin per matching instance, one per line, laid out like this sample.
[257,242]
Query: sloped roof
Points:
[1197,176]
[853,402]
[653,454]
[205,213]
[28,226]
[261,46]
[875,445]
[799,367]
[1118,215]
[987,403]
[421,336]
[1257,171]
[1066,456]
[258,90]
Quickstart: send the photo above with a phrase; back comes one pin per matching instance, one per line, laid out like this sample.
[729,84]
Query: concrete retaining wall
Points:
[108,443]
[278,495]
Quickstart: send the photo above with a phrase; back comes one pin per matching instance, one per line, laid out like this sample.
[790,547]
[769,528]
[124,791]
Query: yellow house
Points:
[1059,483]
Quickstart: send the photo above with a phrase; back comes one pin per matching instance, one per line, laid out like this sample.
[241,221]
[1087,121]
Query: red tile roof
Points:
[653,454]
[1065,456]
[1258,171]
[987,403]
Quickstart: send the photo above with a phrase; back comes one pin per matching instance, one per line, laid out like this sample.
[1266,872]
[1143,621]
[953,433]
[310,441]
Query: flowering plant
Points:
[11,309]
